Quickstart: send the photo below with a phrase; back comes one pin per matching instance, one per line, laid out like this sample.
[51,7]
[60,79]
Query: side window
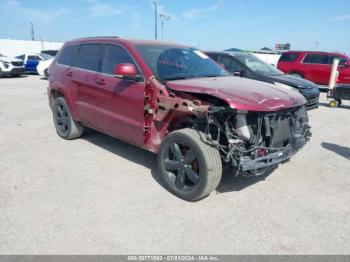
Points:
[315,59]
[341,60]
[114,55]
[213,56]
[68,55]
[230,63]
[89,57]
[288,57]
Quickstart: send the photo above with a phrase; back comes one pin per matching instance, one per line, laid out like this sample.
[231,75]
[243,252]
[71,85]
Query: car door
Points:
[316,68]
[120,101]
[63,72]
[82,83]
[32,62]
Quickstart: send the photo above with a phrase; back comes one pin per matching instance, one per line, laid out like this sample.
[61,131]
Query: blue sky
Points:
[211,24]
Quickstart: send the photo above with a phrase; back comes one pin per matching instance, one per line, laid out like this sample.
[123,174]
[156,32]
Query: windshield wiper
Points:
[214,75]
[188,77]
[176,78]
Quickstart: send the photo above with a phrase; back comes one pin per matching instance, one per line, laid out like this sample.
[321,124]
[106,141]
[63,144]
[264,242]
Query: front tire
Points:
[189,165]
[65,126]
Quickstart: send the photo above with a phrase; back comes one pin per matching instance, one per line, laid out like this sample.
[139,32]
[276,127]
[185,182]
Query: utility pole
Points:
[317,43]
[32,31]
[42,43]
[163,16]
[155,19]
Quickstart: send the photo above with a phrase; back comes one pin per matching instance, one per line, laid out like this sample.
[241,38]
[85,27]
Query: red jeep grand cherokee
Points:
[314,66]
[175,101]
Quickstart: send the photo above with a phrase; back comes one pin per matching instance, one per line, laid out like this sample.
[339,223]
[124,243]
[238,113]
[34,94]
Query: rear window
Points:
[89,57]
[316,59]
[68,55]
[288,57]
[33,57]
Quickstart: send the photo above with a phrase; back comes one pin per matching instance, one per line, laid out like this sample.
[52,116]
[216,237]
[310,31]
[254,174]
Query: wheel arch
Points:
[58,91]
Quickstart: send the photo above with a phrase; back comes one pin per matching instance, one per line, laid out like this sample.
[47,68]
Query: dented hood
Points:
[242,93]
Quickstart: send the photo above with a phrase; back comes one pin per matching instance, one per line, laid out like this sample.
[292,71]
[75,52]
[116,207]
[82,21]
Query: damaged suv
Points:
[175,101]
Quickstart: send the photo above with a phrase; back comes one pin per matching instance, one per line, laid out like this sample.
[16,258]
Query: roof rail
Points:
[96,37]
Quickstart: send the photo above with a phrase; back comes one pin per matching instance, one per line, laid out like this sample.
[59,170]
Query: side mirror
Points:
[345,64]
[126,71]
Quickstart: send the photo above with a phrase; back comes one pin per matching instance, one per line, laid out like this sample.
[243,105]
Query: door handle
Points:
[100,82]
[70,73]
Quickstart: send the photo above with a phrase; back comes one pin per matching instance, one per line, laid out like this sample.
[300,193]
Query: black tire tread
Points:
[211,156]
[76,129]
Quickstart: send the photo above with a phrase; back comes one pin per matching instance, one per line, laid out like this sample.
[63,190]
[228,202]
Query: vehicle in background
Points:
[10,66]
[249,66]
[315,66]
[264,54]
[174,100]
[43,66]
[50,52]
[31,61]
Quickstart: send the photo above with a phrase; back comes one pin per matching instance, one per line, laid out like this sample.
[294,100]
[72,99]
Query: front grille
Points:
[312,101]
[17,63]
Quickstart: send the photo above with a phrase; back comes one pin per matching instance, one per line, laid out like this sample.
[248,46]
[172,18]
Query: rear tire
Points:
[65,126]
[189,166]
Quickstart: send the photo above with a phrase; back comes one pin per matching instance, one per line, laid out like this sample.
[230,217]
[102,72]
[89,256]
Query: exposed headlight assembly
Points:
[6,64]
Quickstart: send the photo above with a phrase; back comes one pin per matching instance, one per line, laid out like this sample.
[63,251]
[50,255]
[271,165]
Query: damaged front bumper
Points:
[275,157]
[263,140]
[272,159]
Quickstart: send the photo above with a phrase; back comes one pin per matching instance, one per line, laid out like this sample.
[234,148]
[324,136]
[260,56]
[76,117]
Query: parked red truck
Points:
[175,101]
[314,66]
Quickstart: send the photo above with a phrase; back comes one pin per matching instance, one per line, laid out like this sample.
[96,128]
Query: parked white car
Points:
[10,66]
[31,60]
[43,67]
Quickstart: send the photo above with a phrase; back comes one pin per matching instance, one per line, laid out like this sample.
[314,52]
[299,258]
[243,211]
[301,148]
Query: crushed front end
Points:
[256,141]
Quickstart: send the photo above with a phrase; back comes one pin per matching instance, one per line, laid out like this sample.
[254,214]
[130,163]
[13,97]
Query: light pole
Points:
[32,31]
[162,16]
[155,19]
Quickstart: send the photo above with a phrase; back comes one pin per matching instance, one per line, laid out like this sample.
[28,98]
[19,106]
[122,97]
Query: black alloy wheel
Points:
[182,167]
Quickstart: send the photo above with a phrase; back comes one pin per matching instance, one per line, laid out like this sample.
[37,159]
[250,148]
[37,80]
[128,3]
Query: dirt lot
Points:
[98,195]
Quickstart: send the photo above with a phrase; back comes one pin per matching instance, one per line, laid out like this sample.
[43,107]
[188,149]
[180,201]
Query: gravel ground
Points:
[98,195]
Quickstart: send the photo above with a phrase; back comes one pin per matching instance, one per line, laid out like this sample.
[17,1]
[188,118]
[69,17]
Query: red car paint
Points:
[315,71]
[241,93]
[128,110]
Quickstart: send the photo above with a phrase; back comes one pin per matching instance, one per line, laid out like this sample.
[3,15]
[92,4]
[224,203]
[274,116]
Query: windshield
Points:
[258,66]
[46,56]
[175,62]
